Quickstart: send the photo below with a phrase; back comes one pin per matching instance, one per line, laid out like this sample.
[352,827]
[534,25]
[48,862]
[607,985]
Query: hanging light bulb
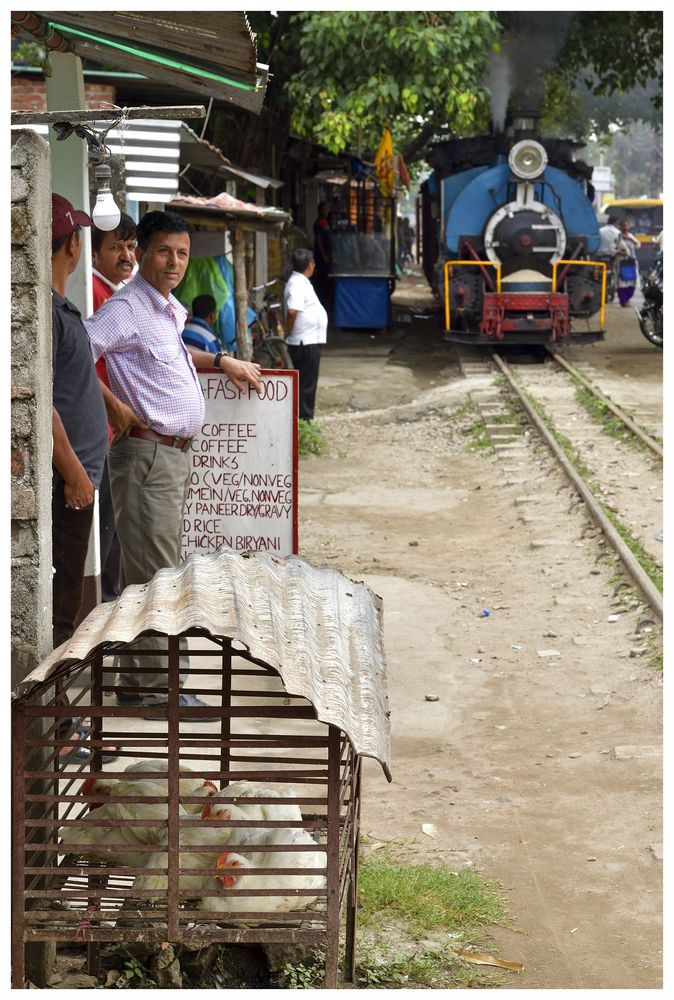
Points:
[106,215]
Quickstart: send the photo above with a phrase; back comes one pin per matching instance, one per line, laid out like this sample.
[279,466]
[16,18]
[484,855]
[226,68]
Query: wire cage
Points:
[237,822]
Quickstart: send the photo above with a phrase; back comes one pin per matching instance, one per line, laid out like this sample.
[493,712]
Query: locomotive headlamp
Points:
[527,159]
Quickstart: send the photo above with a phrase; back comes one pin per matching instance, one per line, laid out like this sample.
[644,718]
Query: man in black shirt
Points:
[79,425]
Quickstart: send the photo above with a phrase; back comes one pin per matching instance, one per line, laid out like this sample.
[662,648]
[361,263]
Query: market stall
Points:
[363,253]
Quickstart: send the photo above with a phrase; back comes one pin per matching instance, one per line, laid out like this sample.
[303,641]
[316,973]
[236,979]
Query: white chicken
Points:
[94,832]
[201,786]
[289,811]
[113,787]
[233,873]
[146,886]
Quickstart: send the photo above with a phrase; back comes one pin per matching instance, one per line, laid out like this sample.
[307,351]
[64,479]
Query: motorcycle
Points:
[650,314]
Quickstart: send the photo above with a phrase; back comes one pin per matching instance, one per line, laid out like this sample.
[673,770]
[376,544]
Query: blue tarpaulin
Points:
[361,302]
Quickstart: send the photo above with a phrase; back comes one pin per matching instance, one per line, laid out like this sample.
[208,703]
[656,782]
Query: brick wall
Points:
[30,94]
[31,401]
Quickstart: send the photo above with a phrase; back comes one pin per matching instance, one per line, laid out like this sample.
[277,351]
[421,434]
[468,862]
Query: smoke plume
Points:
[498,82]
[532,42]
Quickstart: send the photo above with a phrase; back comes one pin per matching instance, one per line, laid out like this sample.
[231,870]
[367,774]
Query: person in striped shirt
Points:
[138,331]
[198,332]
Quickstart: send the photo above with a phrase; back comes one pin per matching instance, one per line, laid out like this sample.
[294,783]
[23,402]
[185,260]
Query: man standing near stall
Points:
[138,331]
[307,326]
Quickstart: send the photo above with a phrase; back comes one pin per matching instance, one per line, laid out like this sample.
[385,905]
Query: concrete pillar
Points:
[69,158]
[70,177]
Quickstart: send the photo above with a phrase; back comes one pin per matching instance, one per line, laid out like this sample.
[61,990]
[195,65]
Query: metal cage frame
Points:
[257,740]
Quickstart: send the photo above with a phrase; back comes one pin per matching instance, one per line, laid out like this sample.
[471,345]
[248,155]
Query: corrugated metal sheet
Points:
[155,152]
[222,37]
[321,631]
[209,52]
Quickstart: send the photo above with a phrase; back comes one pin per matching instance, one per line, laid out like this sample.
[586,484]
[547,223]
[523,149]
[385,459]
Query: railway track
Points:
[647,439]
[586,454]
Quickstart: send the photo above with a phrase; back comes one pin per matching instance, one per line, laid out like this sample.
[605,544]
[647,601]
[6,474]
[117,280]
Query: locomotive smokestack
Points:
[523,125]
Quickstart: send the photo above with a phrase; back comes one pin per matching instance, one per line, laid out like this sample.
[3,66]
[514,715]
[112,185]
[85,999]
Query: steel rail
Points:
[632,565]
[643,436]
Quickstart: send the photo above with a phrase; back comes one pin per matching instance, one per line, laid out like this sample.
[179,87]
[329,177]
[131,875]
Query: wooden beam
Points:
[244,347]
[106,114]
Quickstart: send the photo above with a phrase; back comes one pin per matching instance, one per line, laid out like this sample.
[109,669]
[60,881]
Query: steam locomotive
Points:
[509,232]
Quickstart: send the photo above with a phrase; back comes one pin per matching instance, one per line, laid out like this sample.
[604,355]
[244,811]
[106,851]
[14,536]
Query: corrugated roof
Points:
[259,180]
[322,632]
[209,52]
[199,153]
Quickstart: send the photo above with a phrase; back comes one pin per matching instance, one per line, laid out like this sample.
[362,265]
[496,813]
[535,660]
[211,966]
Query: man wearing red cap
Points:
[79,425]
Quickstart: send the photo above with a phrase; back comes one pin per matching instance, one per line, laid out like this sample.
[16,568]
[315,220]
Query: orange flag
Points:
[383,165]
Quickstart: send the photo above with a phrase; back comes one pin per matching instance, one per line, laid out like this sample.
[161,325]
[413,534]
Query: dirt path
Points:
[516,762]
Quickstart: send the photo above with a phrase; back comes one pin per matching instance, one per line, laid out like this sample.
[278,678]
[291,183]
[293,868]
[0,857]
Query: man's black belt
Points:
[182,444]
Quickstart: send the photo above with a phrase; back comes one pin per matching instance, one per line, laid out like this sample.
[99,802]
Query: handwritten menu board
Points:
[243,479]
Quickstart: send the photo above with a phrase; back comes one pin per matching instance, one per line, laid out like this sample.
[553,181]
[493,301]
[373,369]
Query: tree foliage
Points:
[340,77]
[580,112]
[608,73]
[410,71]
[613,51]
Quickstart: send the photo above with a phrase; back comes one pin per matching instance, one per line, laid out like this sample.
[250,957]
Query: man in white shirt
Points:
[307,326]
[610,239]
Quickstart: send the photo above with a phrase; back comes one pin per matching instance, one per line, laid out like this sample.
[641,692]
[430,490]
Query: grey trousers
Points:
[149,484]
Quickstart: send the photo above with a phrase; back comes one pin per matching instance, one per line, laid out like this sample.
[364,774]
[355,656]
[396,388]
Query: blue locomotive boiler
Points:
[509,237]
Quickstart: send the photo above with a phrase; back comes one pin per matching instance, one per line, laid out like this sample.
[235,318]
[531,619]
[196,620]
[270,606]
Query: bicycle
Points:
[269,347]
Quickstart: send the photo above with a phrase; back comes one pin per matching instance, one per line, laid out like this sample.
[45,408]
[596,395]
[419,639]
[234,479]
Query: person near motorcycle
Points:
[628,267]
[611,250]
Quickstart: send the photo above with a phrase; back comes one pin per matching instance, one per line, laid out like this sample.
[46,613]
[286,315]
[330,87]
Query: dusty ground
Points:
[516,763]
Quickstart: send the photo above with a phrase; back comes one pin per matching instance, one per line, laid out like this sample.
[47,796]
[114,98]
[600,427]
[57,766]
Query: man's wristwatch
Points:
[220,354]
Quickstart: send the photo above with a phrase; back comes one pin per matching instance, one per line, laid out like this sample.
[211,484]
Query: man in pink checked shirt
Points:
[138,331]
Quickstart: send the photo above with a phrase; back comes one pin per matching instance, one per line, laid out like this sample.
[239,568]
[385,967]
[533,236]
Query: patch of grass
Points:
[429,970]
[376,968]
[607,420]
[307,975]
[399,904]
[479,439]
[466,420]
[656,661]
[509,416]
[426,897]
[648,564]
[311,437]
